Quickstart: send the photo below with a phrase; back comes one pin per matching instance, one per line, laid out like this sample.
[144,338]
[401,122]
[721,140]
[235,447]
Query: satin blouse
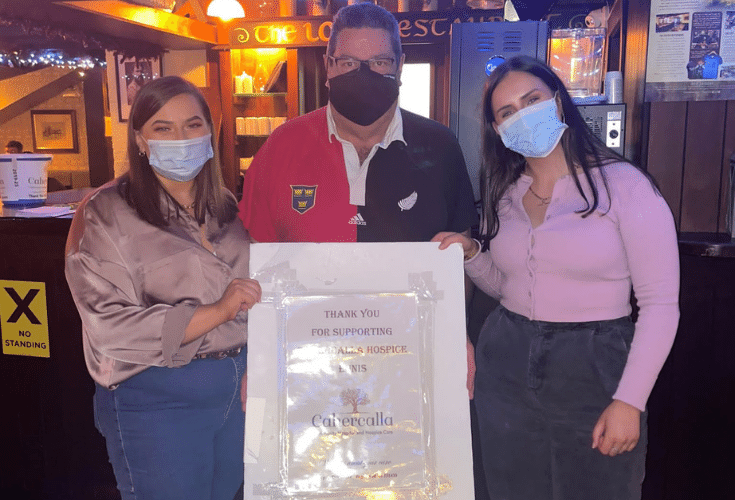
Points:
[136,286]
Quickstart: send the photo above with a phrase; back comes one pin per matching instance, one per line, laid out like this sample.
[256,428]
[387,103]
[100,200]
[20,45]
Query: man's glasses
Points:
[382,65]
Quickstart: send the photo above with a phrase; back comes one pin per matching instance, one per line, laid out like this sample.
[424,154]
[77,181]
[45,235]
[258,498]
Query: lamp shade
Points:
[225,9]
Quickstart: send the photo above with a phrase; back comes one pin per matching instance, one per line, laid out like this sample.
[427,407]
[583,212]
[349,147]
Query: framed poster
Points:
[132,74]
[359,350]
[54,131]
[691,51]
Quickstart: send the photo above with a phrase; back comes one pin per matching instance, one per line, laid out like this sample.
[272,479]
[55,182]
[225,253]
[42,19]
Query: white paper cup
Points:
[251,126]
[264,125]
[614,87]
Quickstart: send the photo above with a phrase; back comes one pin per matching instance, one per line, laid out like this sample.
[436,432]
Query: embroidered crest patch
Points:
[303,198]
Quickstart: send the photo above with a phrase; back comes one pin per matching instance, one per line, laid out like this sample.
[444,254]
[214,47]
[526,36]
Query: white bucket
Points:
[23,179]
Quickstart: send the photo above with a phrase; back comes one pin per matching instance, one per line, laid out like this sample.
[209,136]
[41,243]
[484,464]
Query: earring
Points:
[141,153]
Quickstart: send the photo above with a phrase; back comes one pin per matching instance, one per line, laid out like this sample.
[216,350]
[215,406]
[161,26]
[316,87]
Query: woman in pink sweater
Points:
[568,229]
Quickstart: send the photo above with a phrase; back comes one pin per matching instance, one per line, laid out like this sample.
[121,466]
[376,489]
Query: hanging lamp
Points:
[225,9]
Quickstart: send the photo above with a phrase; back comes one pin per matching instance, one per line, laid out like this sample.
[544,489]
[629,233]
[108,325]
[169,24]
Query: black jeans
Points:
[539,391]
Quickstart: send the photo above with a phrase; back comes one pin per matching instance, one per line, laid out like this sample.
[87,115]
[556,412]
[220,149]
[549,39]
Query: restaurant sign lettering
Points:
[414,27]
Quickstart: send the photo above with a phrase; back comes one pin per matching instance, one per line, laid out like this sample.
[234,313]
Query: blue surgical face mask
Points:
[180,160]
[534,131]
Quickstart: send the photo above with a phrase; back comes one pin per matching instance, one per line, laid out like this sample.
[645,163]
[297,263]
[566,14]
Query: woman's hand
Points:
[240,295]
[470,249]
[618,429]
[469,246]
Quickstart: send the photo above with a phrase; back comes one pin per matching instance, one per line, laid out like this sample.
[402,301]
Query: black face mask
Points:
[362,95]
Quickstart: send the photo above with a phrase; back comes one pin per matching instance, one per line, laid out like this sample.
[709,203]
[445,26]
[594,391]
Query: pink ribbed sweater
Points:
[578,269]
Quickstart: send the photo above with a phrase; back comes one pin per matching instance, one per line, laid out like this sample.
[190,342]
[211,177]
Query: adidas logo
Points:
[357,219]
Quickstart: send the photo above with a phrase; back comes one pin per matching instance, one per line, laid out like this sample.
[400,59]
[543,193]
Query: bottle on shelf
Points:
[260,78]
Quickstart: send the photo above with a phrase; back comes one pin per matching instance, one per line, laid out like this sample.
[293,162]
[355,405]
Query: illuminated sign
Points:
[414,27]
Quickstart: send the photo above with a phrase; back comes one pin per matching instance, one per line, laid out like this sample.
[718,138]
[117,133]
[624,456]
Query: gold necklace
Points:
[189,207]
[542,200]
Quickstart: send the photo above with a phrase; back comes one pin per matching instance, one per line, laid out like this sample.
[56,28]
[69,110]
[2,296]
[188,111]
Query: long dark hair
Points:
[140,187]
[502,166]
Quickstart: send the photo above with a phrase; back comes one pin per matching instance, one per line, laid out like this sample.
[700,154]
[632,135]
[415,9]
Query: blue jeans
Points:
[539,391]
[176,433]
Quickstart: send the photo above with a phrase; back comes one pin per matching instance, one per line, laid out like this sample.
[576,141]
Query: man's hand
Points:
[471,369]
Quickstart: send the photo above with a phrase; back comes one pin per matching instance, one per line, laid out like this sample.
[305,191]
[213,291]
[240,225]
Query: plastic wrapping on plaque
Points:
[341,369]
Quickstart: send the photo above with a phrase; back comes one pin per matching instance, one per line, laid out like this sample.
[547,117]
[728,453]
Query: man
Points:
[359,169]
[13,147]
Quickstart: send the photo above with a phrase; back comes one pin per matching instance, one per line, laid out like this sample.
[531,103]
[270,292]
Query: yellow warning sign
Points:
[23,318]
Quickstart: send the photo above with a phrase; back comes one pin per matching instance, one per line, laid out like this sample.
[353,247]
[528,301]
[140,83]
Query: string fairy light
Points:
[30,59]
[51,44]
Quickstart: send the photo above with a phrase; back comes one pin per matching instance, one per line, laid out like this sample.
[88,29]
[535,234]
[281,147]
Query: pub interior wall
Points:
[72,169]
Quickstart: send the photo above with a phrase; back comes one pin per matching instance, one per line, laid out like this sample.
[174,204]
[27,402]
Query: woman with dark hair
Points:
[568,229]
[157,263]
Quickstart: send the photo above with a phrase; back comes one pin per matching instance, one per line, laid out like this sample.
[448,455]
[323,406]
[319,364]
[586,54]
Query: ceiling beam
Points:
[198,9]
[39,96]
[155,19]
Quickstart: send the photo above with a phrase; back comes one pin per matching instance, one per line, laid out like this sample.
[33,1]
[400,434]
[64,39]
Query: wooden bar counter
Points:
[691,436]
[51,449]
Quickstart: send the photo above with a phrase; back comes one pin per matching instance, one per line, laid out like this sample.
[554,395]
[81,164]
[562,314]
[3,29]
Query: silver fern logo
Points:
[408,202]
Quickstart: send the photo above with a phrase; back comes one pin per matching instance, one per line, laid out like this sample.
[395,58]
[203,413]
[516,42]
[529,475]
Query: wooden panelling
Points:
[685,145]
[728,150]
[636,40]
[230,170]
[688,152]
[702,166]
[100,169]
[665,160]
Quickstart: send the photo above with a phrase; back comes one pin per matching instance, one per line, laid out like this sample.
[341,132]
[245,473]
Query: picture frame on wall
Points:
[54,131]
[132,73]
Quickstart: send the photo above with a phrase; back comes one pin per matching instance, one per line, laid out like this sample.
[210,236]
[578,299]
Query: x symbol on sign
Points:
[23,305]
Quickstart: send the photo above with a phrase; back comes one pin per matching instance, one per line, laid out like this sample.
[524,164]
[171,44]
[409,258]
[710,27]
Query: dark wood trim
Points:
[100,169]
[728,150]
[634,74]
[293,90]
[230,165]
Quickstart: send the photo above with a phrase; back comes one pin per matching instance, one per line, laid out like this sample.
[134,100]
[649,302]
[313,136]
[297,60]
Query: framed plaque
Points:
[357,371]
